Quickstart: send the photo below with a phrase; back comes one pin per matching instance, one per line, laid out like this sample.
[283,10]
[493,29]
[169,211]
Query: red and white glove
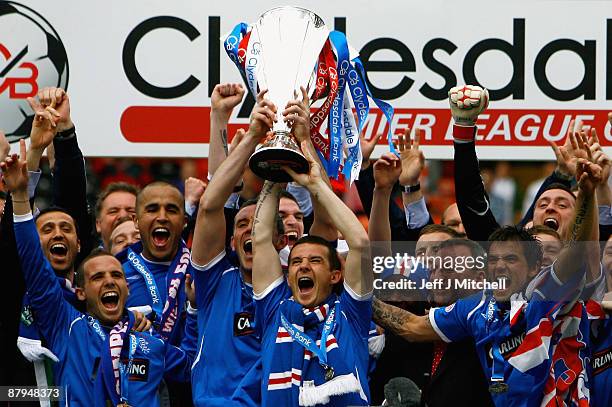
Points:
[466,103]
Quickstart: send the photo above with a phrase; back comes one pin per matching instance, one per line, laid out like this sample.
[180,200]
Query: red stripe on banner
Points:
[169,124]
[529,128]
[504,127]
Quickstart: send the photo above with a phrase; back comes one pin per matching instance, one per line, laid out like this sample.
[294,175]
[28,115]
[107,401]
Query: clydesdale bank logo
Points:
[32,56]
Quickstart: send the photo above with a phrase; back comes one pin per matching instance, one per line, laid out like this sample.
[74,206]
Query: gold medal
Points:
[329,373]
[498,387]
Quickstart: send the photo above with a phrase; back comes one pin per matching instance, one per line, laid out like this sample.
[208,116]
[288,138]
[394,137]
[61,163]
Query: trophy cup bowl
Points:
[291,39]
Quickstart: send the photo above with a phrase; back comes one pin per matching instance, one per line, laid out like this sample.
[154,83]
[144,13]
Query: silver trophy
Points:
[290,40]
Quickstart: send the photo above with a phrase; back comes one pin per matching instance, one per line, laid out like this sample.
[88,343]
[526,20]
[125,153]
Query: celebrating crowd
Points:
[252,293]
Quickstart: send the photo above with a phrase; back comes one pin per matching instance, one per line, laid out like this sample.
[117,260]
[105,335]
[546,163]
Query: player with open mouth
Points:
[97,339]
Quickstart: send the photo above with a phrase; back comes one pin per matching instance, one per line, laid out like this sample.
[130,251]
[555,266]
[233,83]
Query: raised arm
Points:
[413,163]
[209,234]
[69,177]
[402,323]
[603,193]
[223,100]
[387,170]
[46,298]
[266,263]
[298,114]
[358,273]
[44,129]
[466,103]
[583,239]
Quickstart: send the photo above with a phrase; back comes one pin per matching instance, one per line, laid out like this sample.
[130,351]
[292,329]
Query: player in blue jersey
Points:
[227,368]
[60,245]
[155,267]
[513,327]
[600,372]
[57,227]
[314,322]
[101,356]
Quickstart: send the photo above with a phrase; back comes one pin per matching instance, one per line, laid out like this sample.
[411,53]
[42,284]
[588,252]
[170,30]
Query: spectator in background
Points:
[116,201]
[125,234]
[550,241]
[452,219]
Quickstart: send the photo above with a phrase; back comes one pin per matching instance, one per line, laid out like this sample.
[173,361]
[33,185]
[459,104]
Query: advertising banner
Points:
[140,73]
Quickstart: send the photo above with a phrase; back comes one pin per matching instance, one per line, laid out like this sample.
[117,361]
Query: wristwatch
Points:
[411,188]
[66,134]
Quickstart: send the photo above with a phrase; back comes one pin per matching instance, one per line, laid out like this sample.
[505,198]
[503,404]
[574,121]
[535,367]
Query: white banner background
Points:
[94,34]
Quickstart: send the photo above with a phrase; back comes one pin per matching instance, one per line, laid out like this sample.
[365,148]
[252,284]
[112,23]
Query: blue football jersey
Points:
[140,297]
[227,368]
[77,339]
[601,364]
[351,332]
[480,317]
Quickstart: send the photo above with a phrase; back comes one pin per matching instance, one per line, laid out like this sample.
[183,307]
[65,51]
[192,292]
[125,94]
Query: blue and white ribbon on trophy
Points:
[343,132]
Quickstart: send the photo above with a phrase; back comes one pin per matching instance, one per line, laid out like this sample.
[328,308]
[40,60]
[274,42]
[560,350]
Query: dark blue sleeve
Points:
[357,309]
[267,302]
[207,278]
[53,313]
[453,323]
[177,366]
[70,188]
[27,327]
[189,342]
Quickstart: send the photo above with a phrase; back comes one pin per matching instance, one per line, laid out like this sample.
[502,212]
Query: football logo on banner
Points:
[32,56]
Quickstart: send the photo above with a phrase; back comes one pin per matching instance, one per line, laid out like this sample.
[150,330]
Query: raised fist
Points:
[466,103]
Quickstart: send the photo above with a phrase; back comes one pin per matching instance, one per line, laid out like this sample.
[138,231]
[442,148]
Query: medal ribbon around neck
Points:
[310,344]
[166,316]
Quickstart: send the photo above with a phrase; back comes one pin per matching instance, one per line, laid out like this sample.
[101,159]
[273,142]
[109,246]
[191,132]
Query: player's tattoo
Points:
[224,141]
[389,317]
[579,219]
[266,191]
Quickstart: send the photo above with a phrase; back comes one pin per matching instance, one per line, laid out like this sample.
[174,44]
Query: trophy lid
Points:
[300,11]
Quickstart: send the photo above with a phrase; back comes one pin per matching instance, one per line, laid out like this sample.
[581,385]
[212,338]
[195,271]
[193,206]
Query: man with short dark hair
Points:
[314,340]
[550,241]
[89,347]
[58,235]
[223,283]
[292,216]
